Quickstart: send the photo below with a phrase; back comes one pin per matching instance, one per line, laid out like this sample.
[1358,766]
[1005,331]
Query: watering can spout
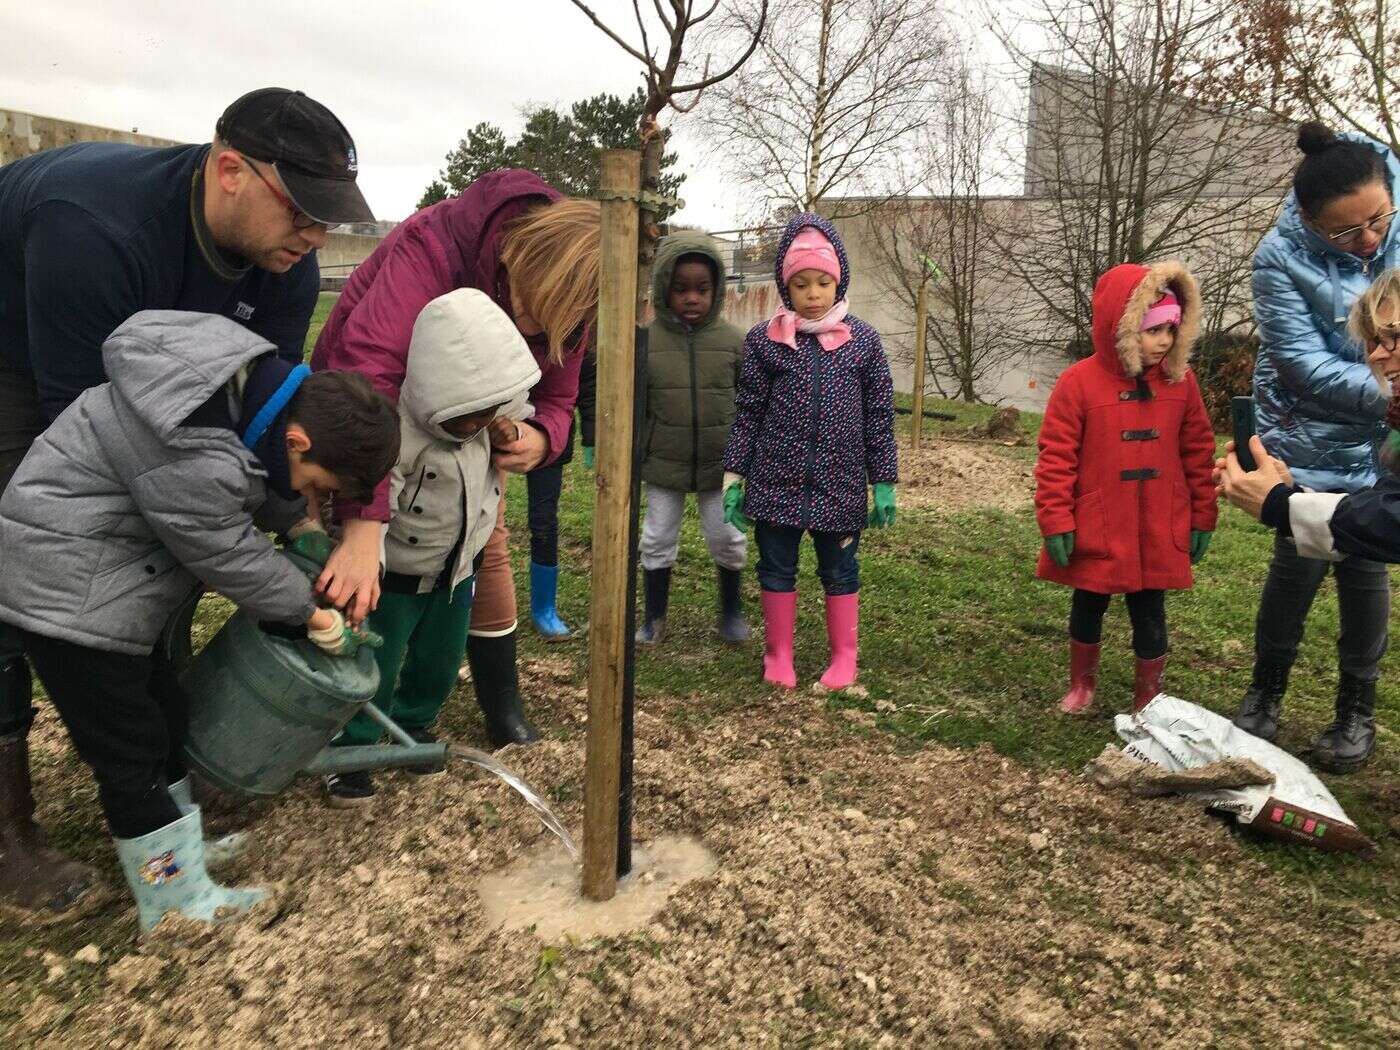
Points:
[375,756]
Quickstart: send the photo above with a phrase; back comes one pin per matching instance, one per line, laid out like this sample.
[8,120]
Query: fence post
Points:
[620,187]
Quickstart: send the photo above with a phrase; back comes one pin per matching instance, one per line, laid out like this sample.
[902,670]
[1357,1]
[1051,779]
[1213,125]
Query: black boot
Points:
[731,626]
[39,882]
[656,591]
[1346,745]
[497,686]
[1263,702]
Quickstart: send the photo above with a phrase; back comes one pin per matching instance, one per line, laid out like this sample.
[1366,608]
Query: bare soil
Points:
[960,474]
[866,896]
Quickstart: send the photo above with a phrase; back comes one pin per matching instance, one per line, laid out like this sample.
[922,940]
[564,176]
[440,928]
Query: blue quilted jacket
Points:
[812,427]
[1318,407]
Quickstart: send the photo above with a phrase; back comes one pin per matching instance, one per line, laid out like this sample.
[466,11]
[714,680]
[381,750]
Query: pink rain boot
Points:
[1147,681]
[1083,678]
[842,623]
[779,617]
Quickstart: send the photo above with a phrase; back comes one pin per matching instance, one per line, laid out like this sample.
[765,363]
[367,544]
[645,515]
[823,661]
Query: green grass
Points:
[962,646]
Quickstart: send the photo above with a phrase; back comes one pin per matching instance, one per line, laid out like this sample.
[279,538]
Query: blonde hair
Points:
[551,259]
[1362,324]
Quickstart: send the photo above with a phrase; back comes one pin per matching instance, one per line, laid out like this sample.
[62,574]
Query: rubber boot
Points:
[217,852]
[1083,677]
[166,872]
[1347,744]
[36,881]
[842,629]
[779,619]
[1263,701]
[731,625]
[656,594]
[1147,681]
[544,589]
[497,686]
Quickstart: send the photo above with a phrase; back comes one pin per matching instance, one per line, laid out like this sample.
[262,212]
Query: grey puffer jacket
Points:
[119,509]
[465,356]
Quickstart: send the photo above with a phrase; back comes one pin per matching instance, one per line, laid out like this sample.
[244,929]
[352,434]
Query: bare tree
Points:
[836,89]
[1328,60]
[668,84]
[1126,163]
[944,242]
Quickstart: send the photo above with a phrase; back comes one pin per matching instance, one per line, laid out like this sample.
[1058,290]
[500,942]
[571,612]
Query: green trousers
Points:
[424,638]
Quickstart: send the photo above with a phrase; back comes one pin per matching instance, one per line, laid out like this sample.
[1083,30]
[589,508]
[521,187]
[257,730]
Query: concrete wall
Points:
[24,133]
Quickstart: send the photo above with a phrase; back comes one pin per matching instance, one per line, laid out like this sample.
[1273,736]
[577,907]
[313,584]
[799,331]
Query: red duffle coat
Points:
[1126,455]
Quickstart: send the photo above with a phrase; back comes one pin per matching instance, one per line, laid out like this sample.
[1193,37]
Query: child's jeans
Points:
[661,530]
[1146,609]
[424,638]
[837,564]
[127,717]
[542,486]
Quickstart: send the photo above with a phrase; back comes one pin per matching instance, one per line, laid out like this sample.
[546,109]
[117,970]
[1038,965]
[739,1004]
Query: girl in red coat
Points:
[1124,496]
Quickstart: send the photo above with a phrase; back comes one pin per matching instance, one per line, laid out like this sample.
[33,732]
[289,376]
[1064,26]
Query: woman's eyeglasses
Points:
[1377,225]
[300,220]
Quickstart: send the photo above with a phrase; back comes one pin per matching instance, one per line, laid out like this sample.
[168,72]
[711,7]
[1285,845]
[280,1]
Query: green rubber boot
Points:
[165,870]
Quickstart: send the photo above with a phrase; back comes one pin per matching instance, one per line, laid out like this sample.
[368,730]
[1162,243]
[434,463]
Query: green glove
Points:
[340,639]
[587,457]
[313,545]
[1200,543]
[1060,547]
[882,513]
[734,505]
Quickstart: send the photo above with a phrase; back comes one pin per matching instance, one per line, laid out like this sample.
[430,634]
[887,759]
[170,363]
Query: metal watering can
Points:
[264,709]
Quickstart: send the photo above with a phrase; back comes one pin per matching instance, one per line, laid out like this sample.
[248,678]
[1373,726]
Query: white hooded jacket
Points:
[465,356]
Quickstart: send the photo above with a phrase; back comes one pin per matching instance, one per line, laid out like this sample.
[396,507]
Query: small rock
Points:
[56,973]
[885,705]
[90,954]
[362,874]
[1037,841]
[851,813]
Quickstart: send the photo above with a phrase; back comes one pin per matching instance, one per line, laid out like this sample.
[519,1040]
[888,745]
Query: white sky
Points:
[407,77]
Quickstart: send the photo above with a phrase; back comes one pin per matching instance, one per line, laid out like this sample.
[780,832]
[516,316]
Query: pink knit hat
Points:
[1165,310]
[811,250]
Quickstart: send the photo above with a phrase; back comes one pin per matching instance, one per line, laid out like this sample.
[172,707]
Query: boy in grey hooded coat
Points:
[467,364]
[144,488]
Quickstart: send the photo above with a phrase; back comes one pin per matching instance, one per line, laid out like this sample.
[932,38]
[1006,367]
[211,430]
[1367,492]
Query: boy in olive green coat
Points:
[692,370]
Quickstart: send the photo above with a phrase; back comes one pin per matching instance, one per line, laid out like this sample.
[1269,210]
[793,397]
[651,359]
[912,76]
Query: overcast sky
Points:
[408,78]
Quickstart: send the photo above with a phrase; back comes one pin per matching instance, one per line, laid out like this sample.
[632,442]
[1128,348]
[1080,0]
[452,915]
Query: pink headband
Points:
[811,250]
[1165,310]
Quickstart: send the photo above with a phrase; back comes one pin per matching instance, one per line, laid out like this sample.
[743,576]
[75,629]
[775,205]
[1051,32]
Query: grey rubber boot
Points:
[1263,701]
[217,852]
[731,625]
[656,591]
[166,872]
[1347,744]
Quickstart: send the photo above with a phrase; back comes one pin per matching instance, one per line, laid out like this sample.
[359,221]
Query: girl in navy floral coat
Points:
[814,424]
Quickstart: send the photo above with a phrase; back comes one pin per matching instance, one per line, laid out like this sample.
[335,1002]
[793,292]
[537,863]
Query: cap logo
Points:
[351,164]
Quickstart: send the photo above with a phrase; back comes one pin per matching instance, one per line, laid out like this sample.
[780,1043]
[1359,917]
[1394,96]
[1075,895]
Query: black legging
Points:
[1146,609]
[542,487]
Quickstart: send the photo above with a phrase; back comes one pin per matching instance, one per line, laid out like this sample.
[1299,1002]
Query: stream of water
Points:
[492,764]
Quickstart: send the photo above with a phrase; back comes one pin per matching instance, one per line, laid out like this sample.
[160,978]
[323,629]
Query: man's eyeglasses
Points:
[1377,225]
[300,220]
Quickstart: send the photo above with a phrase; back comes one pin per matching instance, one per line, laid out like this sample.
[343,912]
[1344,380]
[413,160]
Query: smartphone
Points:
[1242,417]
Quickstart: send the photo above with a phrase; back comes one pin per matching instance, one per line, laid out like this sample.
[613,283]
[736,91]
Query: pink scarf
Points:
[830,329]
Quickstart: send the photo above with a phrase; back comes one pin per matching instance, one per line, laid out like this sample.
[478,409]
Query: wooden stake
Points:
[621,178]
[920,347]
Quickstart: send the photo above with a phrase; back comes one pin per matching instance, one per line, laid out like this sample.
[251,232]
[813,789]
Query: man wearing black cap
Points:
[94,232]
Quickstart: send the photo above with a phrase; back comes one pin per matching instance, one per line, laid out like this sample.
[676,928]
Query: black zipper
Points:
[816,409]
[694,415]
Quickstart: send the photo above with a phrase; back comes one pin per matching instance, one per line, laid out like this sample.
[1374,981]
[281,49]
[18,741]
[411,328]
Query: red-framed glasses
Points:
[300,220]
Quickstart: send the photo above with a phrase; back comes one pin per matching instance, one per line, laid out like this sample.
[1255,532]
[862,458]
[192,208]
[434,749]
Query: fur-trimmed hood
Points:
[1122,298]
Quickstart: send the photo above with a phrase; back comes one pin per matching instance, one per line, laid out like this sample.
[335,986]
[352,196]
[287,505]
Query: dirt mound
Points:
[958,475]
[864,897]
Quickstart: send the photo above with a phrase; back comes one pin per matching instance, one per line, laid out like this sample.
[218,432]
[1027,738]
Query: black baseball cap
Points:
[310,149]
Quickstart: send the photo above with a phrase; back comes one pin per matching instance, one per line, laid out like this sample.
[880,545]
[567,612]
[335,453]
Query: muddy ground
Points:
[954,474]
[867,896]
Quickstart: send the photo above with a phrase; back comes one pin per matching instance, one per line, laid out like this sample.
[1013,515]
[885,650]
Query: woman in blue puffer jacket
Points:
[1321,410]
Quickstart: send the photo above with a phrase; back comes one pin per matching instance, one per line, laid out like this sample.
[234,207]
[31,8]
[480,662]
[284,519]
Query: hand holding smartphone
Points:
[1242,420]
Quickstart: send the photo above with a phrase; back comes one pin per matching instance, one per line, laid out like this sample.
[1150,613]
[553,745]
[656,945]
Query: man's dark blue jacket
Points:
[92,233]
